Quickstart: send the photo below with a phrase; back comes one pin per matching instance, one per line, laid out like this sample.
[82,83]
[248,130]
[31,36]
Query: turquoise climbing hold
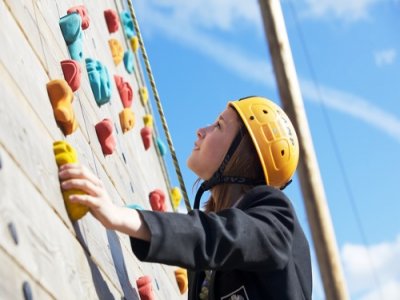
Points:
[99,81]
[127,23]
[161,147]
[128,61]
[71,28]
[135,206]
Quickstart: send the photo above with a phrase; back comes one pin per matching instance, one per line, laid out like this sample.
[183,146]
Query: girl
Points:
[247,243]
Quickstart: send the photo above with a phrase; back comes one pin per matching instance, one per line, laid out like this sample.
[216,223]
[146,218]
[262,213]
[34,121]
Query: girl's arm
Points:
[122,219]
[255,236]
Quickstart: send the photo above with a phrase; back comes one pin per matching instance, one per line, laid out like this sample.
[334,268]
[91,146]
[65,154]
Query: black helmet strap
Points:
[218,178]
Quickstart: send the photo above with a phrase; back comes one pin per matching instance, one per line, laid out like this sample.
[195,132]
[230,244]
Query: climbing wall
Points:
[74,85]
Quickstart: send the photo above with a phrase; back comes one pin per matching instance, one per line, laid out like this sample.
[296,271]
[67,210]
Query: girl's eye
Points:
[217,125]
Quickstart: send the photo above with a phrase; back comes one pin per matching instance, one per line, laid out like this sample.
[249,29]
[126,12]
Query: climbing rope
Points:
[159,106]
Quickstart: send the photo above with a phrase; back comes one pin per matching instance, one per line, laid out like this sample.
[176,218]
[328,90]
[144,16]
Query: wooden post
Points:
[309,174]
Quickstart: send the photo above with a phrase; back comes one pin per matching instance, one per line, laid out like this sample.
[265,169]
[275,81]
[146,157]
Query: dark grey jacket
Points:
[257,250]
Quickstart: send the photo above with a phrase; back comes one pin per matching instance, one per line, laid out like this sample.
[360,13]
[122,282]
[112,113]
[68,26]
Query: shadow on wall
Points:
[102,290]
[119,263]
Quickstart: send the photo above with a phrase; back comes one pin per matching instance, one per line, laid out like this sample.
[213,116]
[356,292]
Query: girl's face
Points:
[213,143]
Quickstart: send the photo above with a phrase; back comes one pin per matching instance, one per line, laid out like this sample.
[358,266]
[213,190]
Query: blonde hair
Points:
[243,163]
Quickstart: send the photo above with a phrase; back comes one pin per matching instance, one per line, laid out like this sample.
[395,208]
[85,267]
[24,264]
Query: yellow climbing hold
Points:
[134,43]
[117,51]
[148,120]
[144,95]
[61,97]
[64,154]
[176,197]
[127,119]
[181,279]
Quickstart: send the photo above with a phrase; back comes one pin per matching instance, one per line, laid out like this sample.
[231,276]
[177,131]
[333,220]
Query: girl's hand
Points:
[76,176]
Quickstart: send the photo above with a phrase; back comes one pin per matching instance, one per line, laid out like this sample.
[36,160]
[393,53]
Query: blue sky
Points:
[204,53]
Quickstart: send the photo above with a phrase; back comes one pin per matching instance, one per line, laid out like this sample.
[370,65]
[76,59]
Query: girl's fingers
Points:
[78,171]
[84,185]
[86,200]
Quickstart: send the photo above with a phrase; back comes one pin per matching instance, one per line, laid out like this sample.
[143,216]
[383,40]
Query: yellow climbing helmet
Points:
[273,136]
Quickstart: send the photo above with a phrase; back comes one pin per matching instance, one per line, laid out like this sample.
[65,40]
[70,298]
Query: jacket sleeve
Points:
[257,235]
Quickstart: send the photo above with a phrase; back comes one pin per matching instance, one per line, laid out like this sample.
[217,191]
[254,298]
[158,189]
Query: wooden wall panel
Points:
[46,249]
[13,279]
[90,262]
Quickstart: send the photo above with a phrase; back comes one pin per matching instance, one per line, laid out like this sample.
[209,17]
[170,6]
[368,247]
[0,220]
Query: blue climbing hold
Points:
[161,147]
[135,206]
[127,23]
[72,32]
[99,81]
[128,61]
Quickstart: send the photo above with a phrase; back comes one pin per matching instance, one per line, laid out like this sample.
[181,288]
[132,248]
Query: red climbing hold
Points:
[72,73]
[82,11]
[145,288]
[146,133]
[157,200]
[112,20]
[104,130]
[124,90]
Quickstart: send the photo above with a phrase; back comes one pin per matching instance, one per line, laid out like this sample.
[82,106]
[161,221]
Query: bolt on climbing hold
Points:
[134,43]
[117,51]
[157,200]
[112,20]
[82,11]
[176,196]
[144,95]
[72,32]
[146,134]
[61,97]
[128,61]
[65,154]
[99,81]
[124,90]
[161,147]
[126,119]
[72,73]
[145,288]
[148,120]
[104,131]
[181,279]
[127,24]
[13,231]
[26,289]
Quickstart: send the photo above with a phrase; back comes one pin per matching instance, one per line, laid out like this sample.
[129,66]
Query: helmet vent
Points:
[251,117]
[265,111]
[283,152]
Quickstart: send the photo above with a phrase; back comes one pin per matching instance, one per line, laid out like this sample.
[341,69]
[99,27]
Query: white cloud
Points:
[390,291]
[385,57]
[258,69]
[348,10]
[209,14]
[226,54]
[373,272]
[354,106]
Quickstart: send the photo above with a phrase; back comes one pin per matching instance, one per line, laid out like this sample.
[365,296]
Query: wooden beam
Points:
[310,178]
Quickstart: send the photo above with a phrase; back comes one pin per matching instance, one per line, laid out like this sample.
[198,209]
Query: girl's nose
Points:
[201,132]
